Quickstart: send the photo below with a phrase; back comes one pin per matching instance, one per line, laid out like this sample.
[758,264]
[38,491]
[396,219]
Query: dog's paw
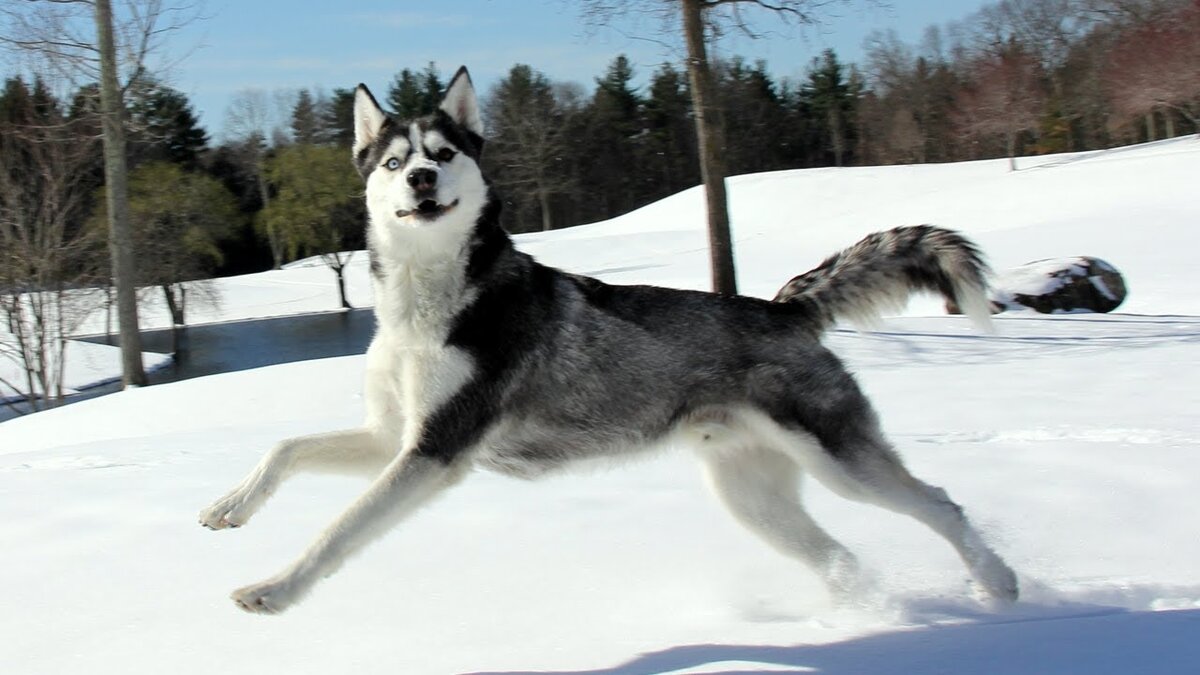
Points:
[232,510]
[1003,590]
[996,583]
[268,597]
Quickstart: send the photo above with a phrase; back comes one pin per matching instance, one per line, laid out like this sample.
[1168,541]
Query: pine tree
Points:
[405,97]
[613,128]
[340,118]
[832,102]
[669,145]
[431,89]
[306,123]
[753,116]
[165,128]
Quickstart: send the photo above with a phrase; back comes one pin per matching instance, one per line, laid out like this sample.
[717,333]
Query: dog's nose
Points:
[422,179]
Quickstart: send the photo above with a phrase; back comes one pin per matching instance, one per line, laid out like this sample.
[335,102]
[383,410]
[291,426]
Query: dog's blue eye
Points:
[392,164]
[445,155]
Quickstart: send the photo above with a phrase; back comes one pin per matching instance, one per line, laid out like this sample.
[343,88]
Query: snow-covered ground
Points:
[1073,441]
[86,365]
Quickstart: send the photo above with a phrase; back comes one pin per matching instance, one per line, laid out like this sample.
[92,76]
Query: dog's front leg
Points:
[409,482]
[354,451]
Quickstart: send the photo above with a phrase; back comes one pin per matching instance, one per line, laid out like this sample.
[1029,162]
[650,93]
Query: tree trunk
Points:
[708,136]
[1169,120]
[835,135]
[1011,141]
[544,203]
[334,262]
[1150,126]
[25,345]
[176,311]
[174,305]
[108,312]
[341,284]
[60,346]
[120,239]
[273,238]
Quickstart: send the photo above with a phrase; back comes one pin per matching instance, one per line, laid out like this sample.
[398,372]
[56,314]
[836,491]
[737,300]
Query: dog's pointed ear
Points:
[461,104]
[368,118]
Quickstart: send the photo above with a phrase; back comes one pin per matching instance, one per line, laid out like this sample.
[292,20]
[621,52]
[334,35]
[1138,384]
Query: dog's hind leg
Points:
[761,488]
[354,451]
[870,471]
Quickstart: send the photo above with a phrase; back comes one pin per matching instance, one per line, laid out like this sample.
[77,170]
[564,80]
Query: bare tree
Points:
[895,112]
[1049,32]
[528,127]
[116,180]
[905,137]
[81,40]
[1155,67]
[1129,12]
[1003,99]
[45,181]
[1046,28]
[703,22]
[256,121]
[710,143]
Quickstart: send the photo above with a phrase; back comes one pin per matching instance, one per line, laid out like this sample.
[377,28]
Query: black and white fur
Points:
[485,358]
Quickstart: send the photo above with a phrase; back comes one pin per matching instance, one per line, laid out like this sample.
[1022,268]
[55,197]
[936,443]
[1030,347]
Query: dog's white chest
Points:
[426,381]
[408,383]
[419,301]
[411,370]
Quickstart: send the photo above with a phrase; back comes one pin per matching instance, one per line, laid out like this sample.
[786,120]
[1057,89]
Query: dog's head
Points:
[424,171]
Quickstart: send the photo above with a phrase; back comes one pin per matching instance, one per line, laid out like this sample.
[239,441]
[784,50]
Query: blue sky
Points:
[274,44]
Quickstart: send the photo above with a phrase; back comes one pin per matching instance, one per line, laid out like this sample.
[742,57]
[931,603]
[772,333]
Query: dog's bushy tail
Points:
[880,272]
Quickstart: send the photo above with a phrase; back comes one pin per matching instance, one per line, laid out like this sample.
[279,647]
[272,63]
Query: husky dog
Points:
[485,358]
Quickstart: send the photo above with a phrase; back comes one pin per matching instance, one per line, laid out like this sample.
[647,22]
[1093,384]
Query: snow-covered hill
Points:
[1073,441]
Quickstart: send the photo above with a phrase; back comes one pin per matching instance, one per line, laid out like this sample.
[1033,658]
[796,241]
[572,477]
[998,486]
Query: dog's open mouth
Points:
[428,209]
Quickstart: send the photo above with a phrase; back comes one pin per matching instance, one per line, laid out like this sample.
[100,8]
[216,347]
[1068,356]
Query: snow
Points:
[1102,287]
[1071,441]
[86,365]
[1036,278]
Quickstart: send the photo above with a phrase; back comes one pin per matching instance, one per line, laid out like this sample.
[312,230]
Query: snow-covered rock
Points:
[1061,286]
